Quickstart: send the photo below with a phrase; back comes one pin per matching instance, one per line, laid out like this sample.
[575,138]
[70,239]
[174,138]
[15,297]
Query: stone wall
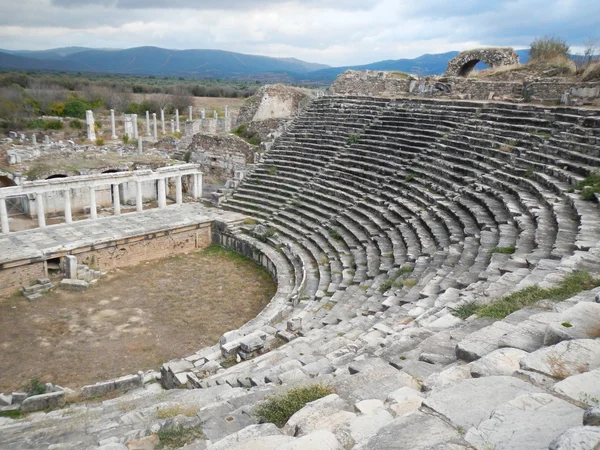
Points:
[14,278]
[114,254]
[274,101]
[463,63]
[220,154]
[393,84]
[207,126]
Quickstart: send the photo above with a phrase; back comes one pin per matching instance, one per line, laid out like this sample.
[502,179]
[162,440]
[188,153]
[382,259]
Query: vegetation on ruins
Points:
[353,138]
[589,187]
[177,437]
[547,48]
[249,136]
[509,250]
[279,409]
[499,309]
[34,387]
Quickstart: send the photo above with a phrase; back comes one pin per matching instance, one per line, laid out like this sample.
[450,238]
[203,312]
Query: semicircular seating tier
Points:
[381,217]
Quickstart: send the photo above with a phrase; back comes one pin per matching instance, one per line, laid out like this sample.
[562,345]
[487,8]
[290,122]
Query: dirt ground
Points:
[132,319]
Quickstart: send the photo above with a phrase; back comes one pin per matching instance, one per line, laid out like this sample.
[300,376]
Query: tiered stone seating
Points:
[385,216]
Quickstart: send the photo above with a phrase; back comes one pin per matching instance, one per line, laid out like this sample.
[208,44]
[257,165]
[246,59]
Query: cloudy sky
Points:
[335,32]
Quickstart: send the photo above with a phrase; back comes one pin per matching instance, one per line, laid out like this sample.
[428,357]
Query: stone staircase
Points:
[380,218]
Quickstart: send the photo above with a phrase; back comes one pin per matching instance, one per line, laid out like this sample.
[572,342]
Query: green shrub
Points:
[548,47]
[334,234]
[125,139]
[54,124]
[272,170]
[249,136]
[76,108]
[34,387]
[589,187]
[503,250]
[99,141]
[76,124]
[465,310]
[35,124]
[353,138]
[279,409]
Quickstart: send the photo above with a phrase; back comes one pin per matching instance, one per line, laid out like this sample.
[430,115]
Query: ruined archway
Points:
[464,63]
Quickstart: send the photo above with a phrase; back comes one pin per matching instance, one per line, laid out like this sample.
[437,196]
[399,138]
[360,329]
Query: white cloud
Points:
[335,32]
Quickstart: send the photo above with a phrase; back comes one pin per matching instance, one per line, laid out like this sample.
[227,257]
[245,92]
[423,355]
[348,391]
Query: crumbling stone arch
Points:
[463,63]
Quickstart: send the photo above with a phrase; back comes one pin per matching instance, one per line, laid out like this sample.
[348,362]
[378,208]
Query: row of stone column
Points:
[131,125]
[162,200]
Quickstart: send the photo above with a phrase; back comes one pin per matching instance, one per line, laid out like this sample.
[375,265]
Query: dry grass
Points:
[134,319]
[591,72]
[176,410]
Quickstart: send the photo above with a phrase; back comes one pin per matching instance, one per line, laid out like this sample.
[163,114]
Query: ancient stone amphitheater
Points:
[383,219]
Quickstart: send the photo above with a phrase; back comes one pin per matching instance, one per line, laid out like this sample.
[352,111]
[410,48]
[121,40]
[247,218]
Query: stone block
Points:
[74,285]
[71,267]
[43,401]
[5,400]
[18,397]
[592,416]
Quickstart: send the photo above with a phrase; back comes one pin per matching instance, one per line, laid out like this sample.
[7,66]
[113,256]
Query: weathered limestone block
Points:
[578,438]
[245,435]
[468,403]
[44,401]
[118,384]
[412,432]
[583,388]
[504,361]
[362,428]
[168,372]
[326,413]
[564,359]
[527,422]
[74,285]
[579,322]
[482,342]
[592,416]
[319,440]
[404,401]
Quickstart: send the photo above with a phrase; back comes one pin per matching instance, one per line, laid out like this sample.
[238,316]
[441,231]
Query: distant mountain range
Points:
[206,64]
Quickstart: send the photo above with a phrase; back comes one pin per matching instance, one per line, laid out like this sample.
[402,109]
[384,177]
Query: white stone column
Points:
[197,186]
[178,190]
[116,199]
[162,193]
[112,125]
[140,146]
[177,129]
[226,111]
[33,139]
[89,121]
[203,113]
[172,126]
[93,212]
[135,126]
[46,139]
[68,214]
[190,111]
[39,203]
[162,121]
[148,123]
[4,217]
[154,126]
[139,205]
[215,114]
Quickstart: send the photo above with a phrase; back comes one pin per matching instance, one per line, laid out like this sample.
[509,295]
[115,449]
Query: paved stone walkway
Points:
[33,244]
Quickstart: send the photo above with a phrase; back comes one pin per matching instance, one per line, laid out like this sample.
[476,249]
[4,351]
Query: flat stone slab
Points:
[35,243]
[469,402]
[43,401]
[247,434]
[529,422]
[504,361]
[482,342]
[584,388]
[416,431]
[580,438]
[564,359]
[326,413]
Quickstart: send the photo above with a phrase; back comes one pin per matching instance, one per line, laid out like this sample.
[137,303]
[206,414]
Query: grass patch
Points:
[229,362]
[272,170]
[409,177]
[279,409]
[334,234]
[589,187]
[410,283]
[179,436]
[176,410]
[503,250]
[14,414]
[406,269]
[249,221]
[353,138]
[568,287]
[465,310]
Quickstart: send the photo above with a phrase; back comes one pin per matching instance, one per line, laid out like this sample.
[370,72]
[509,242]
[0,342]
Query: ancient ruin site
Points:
[392,262]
